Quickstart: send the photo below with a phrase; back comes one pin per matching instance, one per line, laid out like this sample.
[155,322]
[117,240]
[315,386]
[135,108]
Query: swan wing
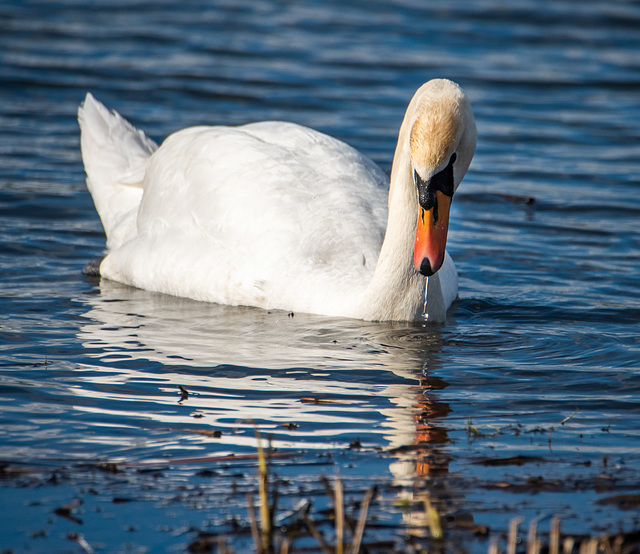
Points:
[270,214]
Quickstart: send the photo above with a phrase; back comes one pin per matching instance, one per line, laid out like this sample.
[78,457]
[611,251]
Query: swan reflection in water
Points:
[244,366]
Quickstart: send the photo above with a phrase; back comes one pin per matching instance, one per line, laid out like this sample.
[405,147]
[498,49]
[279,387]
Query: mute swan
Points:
[276,215]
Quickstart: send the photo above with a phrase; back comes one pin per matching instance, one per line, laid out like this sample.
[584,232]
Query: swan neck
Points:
[397,290]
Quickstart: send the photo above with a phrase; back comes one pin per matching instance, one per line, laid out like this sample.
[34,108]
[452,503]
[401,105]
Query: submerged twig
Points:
[517,198]
[184,394]
[77,537]
[569,417]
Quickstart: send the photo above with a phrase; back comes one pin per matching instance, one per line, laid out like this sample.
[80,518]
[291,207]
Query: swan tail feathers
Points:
[115,155]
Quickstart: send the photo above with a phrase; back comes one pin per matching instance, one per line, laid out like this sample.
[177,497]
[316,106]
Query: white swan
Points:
[276,215]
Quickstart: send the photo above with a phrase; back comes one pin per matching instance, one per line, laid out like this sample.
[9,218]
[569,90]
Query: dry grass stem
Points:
[433,519]
[311,526]
[554,536]
[362,520]
[284,547]
[339,516]
[567,545]
[605,545]
[221,544]
[589,546]
[533,544]
[254,524]
[513,534]
[265,541]
[265,512]
[617,545]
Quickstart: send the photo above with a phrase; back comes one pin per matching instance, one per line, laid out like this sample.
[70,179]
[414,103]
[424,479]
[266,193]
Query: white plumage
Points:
[270,214]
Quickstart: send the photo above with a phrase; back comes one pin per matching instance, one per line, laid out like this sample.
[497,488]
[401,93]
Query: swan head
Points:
[442,142]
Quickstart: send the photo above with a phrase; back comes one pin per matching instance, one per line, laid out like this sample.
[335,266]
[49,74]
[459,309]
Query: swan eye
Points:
[442,181]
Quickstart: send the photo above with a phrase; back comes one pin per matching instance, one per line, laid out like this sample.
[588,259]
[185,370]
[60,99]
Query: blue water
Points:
[539,357]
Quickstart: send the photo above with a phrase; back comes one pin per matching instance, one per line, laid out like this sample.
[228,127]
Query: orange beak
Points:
[431,235]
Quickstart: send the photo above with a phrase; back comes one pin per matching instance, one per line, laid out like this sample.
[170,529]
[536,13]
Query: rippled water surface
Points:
[526,402]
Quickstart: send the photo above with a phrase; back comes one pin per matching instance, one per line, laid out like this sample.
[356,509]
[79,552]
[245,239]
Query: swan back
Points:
[269,214]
